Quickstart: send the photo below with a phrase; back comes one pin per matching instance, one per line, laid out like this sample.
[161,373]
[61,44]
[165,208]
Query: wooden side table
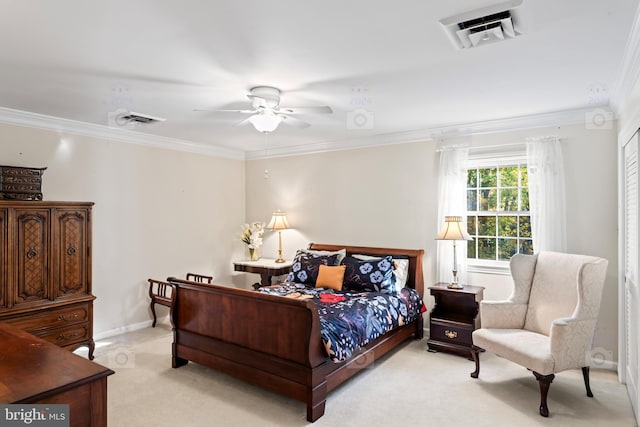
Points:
[454,317]
[265,267]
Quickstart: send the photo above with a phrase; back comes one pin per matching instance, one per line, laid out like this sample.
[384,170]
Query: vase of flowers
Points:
[252,237]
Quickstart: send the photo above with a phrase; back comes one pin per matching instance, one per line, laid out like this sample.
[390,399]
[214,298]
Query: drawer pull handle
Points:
[63,337]
[451,334]
[73,316]
[71,250]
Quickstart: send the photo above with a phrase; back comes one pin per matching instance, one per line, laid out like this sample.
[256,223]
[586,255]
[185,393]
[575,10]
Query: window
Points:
[498,211]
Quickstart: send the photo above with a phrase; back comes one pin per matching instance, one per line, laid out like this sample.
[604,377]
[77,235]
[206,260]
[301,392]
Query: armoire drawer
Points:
[57,317]
[64,336]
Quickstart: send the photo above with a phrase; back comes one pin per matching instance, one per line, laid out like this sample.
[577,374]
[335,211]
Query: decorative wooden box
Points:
[19,183]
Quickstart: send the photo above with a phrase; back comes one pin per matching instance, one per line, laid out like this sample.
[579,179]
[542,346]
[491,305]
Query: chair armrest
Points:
[570,342]
[502,314]
[159,288]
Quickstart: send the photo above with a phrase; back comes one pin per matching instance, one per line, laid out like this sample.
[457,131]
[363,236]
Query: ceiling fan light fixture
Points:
[265,122]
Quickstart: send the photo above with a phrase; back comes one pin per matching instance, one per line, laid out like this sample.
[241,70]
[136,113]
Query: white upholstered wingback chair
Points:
[548,323]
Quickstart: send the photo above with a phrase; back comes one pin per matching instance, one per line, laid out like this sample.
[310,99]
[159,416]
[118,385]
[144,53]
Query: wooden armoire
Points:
[45,270]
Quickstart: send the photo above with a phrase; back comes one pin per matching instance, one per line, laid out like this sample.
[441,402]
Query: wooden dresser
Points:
[34,371]
[45,270]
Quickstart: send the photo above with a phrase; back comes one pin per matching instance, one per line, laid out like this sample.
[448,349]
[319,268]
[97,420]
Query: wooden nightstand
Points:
[265,267]
[454,318]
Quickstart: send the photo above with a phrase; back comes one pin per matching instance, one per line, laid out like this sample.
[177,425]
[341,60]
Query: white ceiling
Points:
[75,60]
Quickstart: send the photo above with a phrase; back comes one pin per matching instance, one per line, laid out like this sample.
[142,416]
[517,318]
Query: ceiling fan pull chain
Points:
[266,150]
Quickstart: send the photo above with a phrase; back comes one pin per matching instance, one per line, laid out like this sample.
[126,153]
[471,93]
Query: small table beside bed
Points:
[281,337]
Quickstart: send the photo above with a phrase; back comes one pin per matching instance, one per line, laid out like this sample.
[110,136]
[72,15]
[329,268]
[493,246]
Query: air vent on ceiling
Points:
[132,117]
[487,25]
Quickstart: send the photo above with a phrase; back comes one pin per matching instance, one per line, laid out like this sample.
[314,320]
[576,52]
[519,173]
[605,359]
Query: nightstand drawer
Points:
[451,333]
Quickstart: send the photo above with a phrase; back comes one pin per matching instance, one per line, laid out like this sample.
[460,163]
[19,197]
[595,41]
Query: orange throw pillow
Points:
[330,277]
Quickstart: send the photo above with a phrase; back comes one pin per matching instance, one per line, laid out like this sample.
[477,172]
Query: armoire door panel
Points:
[4,261]
[71,263]
[32,231]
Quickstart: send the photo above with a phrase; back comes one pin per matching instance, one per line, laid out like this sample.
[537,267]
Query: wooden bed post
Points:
[318,399]
[176,361]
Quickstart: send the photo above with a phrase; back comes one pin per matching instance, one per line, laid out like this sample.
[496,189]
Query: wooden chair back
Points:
[200,278]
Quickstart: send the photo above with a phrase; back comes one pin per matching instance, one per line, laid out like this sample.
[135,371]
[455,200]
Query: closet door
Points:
[631,294]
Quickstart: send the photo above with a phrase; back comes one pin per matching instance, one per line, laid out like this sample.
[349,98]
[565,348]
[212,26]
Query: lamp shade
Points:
[265,121]
[278,221]
[453,229]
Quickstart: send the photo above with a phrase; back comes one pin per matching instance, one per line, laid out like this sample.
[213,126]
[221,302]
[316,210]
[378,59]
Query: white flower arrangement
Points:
[252,234]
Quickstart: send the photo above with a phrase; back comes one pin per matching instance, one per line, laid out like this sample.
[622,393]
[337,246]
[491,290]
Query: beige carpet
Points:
[409,387]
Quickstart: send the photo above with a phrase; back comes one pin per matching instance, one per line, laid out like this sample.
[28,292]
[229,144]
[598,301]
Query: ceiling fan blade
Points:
[242,122]
[306,110]
[292,121]
[228,111]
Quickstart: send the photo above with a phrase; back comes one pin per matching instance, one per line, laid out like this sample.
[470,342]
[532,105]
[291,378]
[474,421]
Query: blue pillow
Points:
[306,266]
[369,275]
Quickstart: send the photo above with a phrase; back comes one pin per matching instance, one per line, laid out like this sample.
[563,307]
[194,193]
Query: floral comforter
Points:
[350,321]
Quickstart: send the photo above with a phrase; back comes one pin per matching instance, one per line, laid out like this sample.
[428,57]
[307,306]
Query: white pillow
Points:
[341,253]
[401,270]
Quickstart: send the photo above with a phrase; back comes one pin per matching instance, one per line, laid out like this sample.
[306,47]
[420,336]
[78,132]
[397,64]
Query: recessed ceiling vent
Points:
[482,26]
[132,117]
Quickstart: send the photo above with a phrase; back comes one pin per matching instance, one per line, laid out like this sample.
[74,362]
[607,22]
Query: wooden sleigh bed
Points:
[274,342]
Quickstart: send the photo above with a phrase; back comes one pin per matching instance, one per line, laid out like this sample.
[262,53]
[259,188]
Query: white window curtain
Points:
[452,200]
[547,194]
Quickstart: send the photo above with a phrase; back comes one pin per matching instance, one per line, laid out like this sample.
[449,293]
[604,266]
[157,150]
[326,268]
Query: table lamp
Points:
[279,222]
[454,230]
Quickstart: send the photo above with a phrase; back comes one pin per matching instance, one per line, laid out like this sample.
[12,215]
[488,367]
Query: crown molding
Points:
[439,133]
[551,119]
[41,121]
[629,67]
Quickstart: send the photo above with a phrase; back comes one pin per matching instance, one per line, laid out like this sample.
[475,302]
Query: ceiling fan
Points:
[267,114]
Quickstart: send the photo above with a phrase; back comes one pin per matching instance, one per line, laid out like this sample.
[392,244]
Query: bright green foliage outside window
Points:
[498,212]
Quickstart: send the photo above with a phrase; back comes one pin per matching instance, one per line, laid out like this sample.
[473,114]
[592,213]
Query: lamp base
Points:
[455,285]
[280,259]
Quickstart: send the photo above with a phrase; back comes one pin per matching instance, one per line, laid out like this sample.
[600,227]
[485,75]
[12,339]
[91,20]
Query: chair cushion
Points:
[526,348]
[554,292]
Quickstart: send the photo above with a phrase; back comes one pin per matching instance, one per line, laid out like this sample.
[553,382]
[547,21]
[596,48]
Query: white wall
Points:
[387,196]
[157,212]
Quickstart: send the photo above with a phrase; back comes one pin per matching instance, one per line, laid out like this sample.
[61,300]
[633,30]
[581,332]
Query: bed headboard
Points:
[415,277]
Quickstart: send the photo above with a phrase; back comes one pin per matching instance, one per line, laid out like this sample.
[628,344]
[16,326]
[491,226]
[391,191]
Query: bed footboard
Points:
[242,333]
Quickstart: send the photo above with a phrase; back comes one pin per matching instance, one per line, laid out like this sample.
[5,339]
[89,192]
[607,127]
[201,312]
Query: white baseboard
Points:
[121,330]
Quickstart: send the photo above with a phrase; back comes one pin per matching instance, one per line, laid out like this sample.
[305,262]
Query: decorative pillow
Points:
[369,275]
[330,277]
[341,253]
[305,267]
[400,268]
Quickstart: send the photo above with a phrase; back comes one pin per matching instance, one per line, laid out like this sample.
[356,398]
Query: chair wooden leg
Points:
[544,381]
[153,311]
[475,354]
[585,375]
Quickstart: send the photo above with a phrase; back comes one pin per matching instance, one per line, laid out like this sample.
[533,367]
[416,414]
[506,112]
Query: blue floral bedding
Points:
[350,321]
